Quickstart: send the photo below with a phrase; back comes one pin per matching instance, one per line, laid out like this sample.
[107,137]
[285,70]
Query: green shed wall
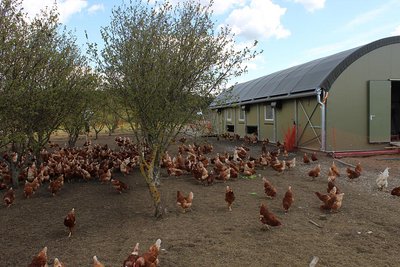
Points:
[347,105]
[267,128]
[240,128]
[284,118]
[251,118]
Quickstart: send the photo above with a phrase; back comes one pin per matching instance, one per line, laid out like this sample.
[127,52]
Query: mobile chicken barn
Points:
[349,101]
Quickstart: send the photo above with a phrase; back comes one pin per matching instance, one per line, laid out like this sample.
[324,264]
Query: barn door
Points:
[379,111]
[308,121]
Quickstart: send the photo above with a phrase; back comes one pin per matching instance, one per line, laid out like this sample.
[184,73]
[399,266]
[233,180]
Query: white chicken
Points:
[381,181]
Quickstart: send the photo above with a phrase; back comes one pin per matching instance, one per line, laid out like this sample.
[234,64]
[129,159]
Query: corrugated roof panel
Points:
[264,86]
[317,70]
[276,87]
[291,84]
[253,89]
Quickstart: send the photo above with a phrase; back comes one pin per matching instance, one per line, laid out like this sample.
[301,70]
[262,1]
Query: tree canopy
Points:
[162,61]
[42,74]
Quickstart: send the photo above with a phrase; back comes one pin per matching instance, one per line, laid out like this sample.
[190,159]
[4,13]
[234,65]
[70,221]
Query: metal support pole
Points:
[323,120]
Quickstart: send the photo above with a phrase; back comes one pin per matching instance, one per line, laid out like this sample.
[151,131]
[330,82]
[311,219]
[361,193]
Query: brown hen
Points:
[306,160]
[9,197]
[352,174]
[96,262]
[40,260]
[315,172]
[70,221]
[288,199]
[131,260]
[269,189]
[28,189]
[150,258]
[56,185]
[395,191]
[267,218]
[335,169]
[229,197]
[184,202]
[119,185]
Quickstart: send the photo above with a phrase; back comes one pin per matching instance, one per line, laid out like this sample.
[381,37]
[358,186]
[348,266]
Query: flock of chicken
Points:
[191,160]
[66,164]
[99,162]
[92,162]
[147,259]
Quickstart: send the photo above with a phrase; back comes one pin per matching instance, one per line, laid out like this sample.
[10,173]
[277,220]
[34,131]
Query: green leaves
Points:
[42,75]
[165,62]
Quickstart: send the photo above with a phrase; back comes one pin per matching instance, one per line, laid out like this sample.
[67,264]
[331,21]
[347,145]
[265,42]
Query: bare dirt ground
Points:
[365,232]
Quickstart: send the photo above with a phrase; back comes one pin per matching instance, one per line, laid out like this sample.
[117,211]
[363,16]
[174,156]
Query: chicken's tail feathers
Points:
[191,195]
[314,261]
[44,251]
[333,190]
[385,172]
[158,243]
[136,249]
[318,194]
[263,208]
[95,259]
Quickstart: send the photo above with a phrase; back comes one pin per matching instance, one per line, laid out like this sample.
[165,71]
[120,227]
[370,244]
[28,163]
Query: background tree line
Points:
[160,65]
[45,82]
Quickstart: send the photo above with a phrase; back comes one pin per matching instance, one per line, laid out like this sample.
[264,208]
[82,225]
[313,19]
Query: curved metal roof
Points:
[299,80]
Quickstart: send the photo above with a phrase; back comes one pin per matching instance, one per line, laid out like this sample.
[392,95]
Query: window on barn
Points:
[230,128]
[229,114]
[242,114]
[269,113]
[251,130]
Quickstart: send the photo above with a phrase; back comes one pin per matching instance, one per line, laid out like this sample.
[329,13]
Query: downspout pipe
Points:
[323,119]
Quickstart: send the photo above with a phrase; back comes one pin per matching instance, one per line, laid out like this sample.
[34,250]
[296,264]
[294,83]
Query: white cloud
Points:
[69,7]
[219,7]
[396,31]
[94,8]
[222,6]
[66,8]
[260,19]
[311,5]
[364,18]
[372,14]
[350,42]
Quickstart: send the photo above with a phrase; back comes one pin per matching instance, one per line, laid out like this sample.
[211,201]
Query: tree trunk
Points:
[158,206]
[72,138]
[156,175]
[111,128]
[156,169]
[147,170]
[14,175]
[96,134]
[97,130]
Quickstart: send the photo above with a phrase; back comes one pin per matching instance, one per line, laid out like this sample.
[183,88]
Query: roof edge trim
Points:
[335,73]
[269,99]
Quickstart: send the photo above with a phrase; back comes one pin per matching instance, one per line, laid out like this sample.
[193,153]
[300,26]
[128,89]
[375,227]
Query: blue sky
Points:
[290,32]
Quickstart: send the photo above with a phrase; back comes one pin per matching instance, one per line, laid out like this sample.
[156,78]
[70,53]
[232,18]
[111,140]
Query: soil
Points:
[365,231]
